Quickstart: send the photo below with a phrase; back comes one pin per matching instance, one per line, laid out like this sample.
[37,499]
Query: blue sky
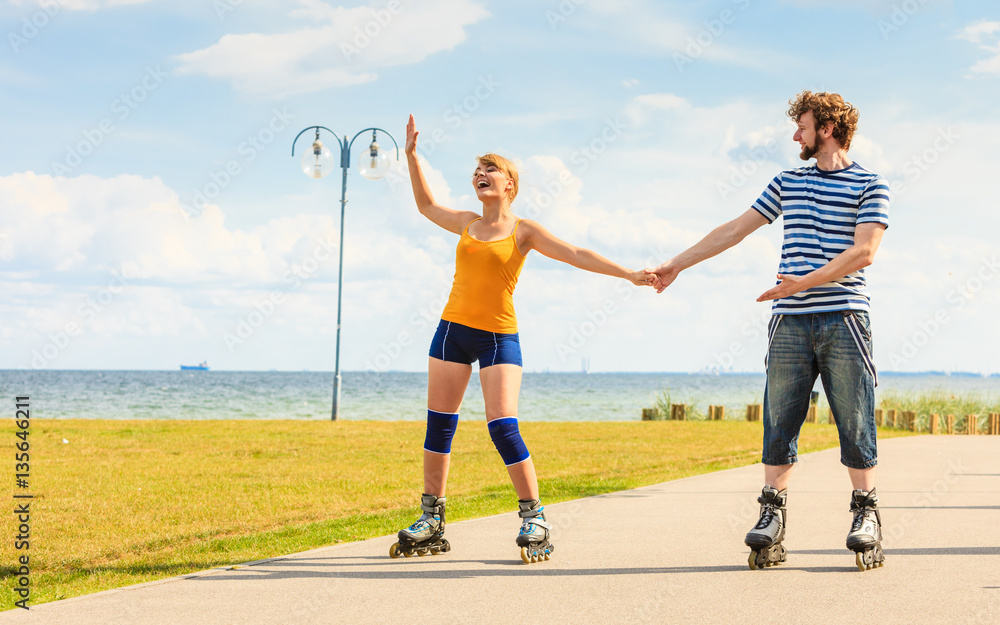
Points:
[151,213]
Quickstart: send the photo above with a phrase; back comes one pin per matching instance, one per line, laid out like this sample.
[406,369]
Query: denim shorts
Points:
[454,342]
[837,347]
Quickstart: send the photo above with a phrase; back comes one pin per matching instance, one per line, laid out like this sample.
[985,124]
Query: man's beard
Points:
[809,151]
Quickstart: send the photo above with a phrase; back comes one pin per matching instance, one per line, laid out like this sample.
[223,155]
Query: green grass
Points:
[124,502]
[941,403]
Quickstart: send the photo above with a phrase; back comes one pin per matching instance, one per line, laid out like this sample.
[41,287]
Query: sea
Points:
[395,396]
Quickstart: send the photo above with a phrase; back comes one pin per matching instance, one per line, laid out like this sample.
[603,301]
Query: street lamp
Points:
[373,163]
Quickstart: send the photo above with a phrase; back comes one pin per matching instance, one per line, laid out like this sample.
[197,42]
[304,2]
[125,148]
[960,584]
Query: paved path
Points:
[677,557]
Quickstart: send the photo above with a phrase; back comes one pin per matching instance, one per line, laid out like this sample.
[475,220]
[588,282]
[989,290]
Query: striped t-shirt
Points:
[821,210]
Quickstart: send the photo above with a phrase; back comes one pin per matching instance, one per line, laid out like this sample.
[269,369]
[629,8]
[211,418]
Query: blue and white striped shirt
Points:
[821,210]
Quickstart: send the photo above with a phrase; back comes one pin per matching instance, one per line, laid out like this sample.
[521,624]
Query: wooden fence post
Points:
[829,417]
[972,424]
[891,418]
[910,420]
[678,412]
[995,423]
[811,415]
[935,425]
[951,424]
[651,414]
[878,417]
[716,413]
[754,412]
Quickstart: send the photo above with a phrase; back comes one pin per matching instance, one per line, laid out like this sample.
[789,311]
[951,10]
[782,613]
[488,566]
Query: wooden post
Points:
[829,417]
[995,423]
[754,412]
[910,420]
[891,418]
[716,413]
[878,417]
[811,415]
[935,425]
[651,414]
[972,424]
[951,424]
[678,412]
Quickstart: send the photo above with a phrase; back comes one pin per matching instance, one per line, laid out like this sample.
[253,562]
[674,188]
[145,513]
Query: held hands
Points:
[662,276]
[411,137]
[641,278]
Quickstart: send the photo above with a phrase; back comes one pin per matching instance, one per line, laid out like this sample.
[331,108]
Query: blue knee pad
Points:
[508,441]
[440,430]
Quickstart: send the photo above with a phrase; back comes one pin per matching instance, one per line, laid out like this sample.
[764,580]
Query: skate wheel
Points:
[752,560]
[423,552]
[435,551]
[859,560]
[394,551]
[408,554]
[524,555]
[547,557]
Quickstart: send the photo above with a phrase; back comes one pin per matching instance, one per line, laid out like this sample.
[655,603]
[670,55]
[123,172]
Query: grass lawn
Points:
[123,502]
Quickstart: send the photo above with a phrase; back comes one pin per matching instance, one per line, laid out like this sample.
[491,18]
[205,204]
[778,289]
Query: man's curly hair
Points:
[827,108]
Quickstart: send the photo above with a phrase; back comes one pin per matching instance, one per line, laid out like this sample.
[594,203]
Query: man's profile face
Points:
[806,135]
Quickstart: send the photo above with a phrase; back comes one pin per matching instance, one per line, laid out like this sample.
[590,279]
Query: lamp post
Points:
[373,163]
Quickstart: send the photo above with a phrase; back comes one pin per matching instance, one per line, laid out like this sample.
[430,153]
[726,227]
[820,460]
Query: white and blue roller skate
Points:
[865,537]
[533,539]
[765,538]
[426,535]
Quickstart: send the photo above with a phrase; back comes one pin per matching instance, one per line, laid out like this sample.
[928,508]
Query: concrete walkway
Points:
[670,553]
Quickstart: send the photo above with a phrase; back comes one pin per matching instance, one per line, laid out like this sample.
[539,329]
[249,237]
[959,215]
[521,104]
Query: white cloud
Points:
[347,47]
[975,31]
[78,5]
[985,35]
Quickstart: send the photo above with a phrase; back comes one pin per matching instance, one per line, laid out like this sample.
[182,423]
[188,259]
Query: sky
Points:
[151,213]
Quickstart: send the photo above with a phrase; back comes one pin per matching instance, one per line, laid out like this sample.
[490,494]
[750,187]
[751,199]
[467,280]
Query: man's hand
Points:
[790,285]
[663,275]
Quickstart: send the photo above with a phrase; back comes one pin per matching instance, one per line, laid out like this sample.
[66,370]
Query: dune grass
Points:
[941,403]
[123,502]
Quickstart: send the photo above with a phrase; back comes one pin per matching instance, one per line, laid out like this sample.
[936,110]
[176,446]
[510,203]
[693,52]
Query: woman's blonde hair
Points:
[508,168]
[827,108]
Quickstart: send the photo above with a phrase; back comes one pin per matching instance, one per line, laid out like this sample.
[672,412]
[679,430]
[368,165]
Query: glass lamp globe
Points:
[374,162]
[317,161]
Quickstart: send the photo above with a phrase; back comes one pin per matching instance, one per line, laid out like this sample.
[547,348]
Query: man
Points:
[835,212]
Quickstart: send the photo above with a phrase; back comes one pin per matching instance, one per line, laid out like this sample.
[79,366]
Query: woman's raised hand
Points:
[641,278]
[411,137]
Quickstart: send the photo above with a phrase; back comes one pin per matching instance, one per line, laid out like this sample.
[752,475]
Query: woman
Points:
[478,323]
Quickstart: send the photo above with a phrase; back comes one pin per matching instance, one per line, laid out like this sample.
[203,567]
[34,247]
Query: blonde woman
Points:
[479,323]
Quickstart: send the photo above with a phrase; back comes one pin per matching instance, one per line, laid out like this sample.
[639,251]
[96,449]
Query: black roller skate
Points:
[533,539]
[426,536]
[765,538]
[865,537]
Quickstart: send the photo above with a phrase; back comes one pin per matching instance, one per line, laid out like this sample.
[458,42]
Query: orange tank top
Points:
[486,272]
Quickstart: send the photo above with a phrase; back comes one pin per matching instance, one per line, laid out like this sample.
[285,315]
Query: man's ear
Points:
[826,131]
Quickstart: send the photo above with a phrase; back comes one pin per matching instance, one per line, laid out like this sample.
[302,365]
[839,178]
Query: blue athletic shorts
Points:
[454,342]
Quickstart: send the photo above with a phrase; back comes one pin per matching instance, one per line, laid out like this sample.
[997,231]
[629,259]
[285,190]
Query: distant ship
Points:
[199,367]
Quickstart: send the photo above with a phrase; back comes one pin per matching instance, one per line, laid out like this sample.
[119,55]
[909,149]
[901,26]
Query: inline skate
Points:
[426,535]
[533,539]
[865,537]
[765,538]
